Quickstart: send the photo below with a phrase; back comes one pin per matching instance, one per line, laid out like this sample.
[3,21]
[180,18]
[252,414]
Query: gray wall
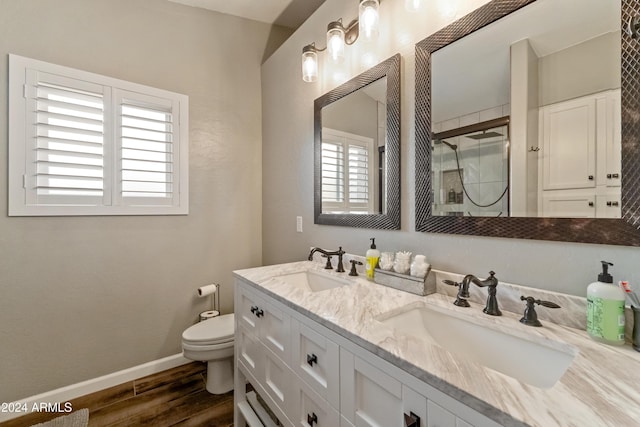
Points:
[288,192]
[82,297]
[586,68]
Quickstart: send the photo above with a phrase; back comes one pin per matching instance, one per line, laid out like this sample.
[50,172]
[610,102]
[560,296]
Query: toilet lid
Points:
[216,330]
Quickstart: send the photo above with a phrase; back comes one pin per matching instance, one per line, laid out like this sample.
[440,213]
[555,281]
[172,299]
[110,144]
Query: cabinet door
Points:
[569,144]
[369,397]
[608,206]
[311,409]
[316,361]
[561,204]
[275,331]
[247,350]
[439,417]
[609,139]
[277,380]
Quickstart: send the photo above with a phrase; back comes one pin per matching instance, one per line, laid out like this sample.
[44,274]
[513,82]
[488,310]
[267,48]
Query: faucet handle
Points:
[530,317]
[328,266]
[353,271]
[461,298]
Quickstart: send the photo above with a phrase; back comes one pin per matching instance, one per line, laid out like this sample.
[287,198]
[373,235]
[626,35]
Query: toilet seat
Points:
[211,332]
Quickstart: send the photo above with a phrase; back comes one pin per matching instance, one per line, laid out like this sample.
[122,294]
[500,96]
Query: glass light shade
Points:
[335,42]
[412,5]
[368,18]
[309,65]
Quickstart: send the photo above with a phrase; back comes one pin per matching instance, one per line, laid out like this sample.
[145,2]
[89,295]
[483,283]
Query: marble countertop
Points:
[600,388]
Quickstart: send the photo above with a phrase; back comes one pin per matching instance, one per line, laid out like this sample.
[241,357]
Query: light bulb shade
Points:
[309,64]
[412,5]
[335,41]
[368,19]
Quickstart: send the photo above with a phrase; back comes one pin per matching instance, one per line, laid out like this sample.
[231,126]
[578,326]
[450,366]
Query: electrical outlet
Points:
[299,224]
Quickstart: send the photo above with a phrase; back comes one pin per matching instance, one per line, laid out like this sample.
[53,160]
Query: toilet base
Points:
[220,376]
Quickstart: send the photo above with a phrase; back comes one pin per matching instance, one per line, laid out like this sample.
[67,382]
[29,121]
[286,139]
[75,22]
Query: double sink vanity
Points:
[321,348]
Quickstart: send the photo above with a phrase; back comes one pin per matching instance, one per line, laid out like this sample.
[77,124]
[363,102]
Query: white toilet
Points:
[211,341]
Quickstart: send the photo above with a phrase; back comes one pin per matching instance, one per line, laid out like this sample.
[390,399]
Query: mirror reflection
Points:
[354,130]
[471,170]
[557,88]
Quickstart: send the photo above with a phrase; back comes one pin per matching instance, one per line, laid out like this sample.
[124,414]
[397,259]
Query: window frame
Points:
[23,200]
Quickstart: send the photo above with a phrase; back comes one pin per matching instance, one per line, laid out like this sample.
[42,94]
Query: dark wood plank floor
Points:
[176,397]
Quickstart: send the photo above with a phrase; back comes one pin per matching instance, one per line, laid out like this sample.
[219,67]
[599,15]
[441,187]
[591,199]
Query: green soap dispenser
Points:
[372,255]
[605,309]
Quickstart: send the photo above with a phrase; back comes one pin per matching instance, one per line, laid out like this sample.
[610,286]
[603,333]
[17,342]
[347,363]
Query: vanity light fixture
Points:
[310,63]
[338,36]
[369,18]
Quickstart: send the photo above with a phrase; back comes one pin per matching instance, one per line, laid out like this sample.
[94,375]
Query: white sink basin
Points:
[533,360]
[312,281]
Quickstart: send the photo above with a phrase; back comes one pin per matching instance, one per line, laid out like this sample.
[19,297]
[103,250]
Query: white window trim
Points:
[112,204]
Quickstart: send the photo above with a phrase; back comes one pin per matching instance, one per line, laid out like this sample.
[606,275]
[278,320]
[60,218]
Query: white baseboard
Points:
[74,391]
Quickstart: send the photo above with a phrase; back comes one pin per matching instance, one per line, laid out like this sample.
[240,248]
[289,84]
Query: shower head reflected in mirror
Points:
[454,147]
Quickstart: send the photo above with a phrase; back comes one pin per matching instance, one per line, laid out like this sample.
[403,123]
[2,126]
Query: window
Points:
[347,172]
[85,144]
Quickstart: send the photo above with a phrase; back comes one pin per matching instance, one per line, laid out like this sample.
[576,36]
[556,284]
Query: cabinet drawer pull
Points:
[313,418]
[612,203]
[591,204]
[613,175]
[311,359]
[411,420]
[259,312]
[590,177]
[254,308]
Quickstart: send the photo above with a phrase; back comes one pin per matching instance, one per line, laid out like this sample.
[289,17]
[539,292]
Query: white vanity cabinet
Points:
[580,160]
[316,377]
[263,347]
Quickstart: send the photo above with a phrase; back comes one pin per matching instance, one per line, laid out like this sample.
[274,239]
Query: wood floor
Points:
[176,397]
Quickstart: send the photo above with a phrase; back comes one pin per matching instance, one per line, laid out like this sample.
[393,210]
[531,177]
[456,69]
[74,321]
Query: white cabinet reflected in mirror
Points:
[553,69]
[357,150]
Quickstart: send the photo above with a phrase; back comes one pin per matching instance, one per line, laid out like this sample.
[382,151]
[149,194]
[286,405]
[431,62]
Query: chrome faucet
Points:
[491,282]
[328,254]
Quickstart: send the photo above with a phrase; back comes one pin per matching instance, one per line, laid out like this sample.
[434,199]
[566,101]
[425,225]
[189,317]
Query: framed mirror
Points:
[541,79]
[357,151]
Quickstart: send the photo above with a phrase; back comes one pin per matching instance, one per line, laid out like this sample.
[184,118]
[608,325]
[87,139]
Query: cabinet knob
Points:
[590,177]
[612,203]
[613,175]
[591,204]
[411,420]
[254,308]
[311,359]
[313,418]
[259,312]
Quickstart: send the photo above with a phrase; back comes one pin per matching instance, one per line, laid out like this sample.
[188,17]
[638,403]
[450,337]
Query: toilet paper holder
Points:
[212,291]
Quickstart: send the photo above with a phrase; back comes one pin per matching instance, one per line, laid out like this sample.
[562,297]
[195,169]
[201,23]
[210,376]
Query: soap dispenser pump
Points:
[605,309]
[372,255]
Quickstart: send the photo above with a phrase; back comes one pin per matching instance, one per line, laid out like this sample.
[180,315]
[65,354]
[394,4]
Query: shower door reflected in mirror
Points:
[470,170]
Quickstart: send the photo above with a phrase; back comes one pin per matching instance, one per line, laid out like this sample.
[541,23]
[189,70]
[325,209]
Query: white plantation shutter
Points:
[333,172]
[85,144]
[359,175]
[66,162]
[347,172]
[147,153]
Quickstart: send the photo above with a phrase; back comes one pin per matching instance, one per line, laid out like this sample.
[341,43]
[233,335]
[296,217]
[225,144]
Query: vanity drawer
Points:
[311,409]
[265,321]
[246,304]
[316,360]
